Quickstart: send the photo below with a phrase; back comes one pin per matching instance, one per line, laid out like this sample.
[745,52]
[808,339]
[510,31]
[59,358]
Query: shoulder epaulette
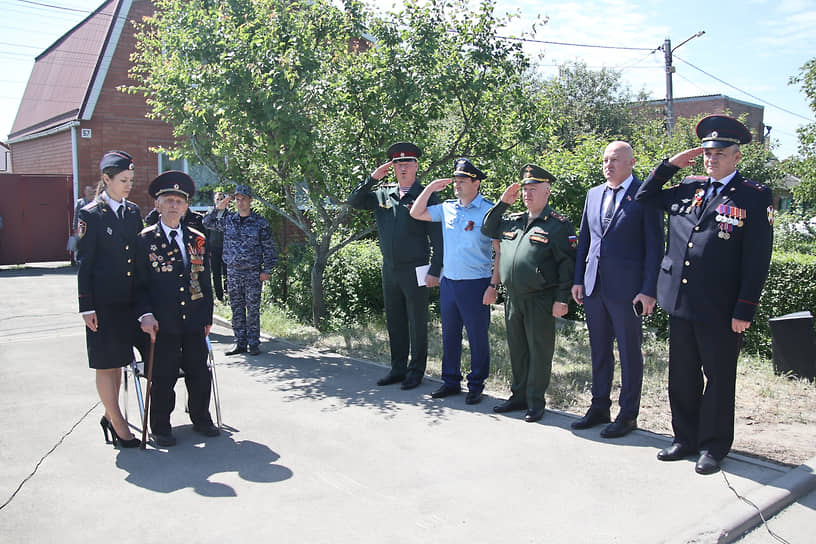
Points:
[197,232]
[149,229]
[559,216]
[91,205]
[695,179]
[514,216]
[754,185]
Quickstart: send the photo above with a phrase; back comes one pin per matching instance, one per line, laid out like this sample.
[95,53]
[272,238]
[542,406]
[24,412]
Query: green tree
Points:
[804,166]
[301,98]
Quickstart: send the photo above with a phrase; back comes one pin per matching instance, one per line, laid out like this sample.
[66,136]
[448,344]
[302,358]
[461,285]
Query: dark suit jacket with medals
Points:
[179,297]
[106,251]
[717,255]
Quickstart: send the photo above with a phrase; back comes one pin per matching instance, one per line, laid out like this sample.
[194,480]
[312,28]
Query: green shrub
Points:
[790,288]
[352,284]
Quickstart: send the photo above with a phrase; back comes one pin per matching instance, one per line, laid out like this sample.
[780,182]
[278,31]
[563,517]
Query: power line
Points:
[52,6]
[593,46]
[745,92]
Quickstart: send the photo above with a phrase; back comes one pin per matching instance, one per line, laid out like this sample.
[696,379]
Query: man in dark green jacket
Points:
[407,246]
[536,266]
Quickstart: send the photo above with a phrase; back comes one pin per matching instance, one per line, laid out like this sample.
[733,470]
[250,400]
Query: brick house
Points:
[695,107]
[72,112]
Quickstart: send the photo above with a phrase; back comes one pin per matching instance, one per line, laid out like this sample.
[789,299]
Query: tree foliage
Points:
[804,166]
[300,98]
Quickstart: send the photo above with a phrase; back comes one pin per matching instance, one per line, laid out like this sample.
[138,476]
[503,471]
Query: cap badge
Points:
[715,134]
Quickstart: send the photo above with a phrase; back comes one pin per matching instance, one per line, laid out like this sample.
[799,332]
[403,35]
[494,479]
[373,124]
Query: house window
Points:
[202,176]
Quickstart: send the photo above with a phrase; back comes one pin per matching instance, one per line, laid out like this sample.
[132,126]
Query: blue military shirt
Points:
[468,253]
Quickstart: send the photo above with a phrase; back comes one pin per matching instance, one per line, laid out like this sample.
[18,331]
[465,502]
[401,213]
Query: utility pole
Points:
[667,54]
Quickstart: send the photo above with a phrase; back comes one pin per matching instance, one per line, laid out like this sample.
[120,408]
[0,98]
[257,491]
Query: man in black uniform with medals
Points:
[174,301]
[716,262]
[406,244]
[536,266]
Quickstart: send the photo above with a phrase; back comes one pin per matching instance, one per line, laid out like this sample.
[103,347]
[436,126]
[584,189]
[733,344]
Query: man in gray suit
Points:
[619,250]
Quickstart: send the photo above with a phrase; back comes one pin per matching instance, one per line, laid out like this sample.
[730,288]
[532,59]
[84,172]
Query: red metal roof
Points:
[63,74]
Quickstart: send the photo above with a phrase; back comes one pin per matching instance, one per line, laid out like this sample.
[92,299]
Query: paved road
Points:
[314,452]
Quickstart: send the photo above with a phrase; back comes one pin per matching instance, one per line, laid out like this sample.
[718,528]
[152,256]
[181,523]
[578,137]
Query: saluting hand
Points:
[381,171]
[686,158]
[511,194]
[223,203]
[439,184]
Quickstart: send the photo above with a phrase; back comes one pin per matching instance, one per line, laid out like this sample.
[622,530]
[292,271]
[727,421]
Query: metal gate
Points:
[36,218]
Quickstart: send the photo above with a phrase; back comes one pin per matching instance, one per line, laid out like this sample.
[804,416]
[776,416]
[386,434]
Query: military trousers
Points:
[406,316]
[244,288]
[461,305]
[186,351]
[531,342]
[703,412]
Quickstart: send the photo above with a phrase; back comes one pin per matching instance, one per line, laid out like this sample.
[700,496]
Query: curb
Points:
[734,521]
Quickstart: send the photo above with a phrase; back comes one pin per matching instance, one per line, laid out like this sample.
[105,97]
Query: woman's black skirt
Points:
[118,332]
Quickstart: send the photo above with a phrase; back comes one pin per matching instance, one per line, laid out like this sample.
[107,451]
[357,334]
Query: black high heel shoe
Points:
[105,426]
[131,443]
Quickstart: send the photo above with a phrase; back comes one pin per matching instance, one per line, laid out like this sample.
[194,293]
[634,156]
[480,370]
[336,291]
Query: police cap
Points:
[245,190]
[530,173]
[172,182]
[404,151]
[463,167]
[116,159]
[722,131]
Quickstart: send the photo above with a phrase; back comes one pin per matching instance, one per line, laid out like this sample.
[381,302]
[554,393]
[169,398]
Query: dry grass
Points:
[775,415]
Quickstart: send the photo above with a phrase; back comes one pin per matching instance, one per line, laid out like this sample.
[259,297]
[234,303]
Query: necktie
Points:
[609,209]
[121,212]
[715,187]
[173,239]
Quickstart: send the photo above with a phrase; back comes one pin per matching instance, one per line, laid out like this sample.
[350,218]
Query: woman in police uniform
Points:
[107,228]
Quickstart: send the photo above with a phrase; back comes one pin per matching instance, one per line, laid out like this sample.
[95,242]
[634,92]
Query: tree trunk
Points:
[318,269]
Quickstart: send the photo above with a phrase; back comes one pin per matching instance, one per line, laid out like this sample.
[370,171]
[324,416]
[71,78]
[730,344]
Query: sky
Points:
[749,50]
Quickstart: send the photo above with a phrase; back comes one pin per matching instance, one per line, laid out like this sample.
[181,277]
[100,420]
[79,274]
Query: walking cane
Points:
[147,390]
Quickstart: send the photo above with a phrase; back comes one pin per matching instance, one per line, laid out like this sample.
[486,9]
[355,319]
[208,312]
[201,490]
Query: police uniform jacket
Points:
[248,243]
[404,241]
[179,297]
[535,258]
[717,256]
[106,251]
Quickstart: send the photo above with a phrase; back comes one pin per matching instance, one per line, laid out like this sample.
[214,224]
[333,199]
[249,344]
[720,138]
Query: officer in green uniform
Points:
[536,266]
[406,244]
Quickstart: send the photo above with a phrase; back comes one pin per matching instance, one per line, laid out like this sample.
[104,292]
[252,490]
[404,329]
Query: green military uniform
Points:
[536,266]
[405,244]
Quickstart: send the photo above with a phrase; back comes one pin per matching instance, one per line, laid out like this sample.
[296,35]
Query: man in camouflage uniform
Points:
[249,255]
[537,264]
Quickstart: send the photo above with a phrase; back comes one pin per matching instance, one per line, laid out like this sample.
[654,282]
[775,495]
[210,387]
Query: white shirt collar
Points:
[112,204]
[626,183]
[724,181]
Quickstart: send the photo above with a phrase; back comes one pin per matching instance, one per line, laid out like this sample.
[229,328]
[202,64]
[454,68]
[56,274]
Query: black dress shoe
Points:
[591,418]
[675,452]
[411,382]
[254,350]
[444,391]
[207,430]
[534,414]
[235,349]
[621,427]
[706,464]
[473,397]
[164,440]
[509,405]
[390,378]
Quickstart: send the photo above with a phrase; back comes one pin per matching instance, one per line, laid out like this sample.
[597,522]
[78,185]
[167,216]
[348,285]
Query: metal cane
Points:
[214,383]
